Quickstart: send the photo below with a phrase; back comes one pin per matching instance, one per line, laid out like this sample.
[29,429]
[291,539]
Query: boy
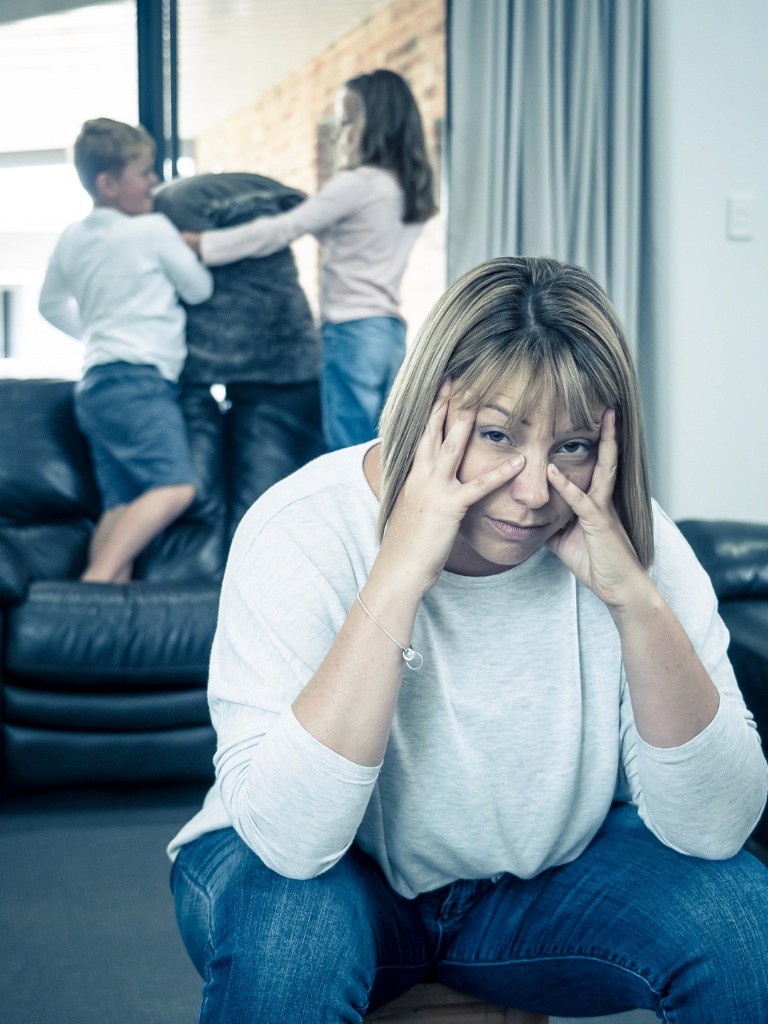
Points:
[114,280]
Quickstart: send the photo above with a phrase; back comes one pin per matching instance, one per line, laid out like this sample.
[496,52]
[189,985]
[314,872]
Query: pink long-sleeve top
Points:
[357,217]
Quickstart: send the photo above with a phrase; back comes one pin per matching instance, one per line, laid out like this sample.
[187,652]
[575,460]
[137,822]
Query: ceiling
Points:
[63,62]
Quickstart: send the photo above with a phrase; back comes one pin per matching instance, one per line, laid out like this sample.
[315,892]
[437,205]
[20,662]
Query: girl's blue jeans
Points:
[630,923]
[360,361]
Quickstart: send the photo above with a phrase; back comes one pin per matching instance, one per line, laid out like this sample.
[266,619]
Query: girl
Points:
[366,218]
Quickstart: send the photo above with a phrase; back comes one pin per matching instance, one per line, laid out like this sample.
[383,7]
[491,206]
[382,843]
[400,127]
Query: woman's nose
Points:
[531,486]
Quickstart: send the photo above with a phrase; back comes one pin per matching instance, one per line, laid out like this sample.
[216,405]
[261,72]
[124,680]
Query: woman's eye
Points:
[495,436]
[576,447]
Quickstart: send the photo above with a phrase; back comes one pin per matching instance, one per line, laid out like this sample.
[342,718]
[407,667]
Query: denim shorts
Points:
[135,428]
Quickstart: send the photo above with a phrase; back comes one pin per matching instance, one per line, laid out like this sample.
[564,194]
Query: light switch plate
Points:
[740,216]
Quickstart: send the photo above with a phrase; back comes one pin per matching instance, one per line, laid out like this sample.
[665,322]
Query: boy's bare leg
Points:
[127,533]
[103,531]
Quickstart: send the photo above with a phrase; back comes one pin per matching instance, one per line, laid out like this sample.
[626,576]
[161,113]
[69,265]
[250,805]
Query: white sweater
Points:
[358,219]
[507,748]
[115,282]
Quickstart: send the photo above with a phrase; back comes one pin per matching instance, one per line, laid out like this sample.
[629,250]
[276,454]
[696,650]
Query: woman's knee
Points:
[265,943]
[720,929]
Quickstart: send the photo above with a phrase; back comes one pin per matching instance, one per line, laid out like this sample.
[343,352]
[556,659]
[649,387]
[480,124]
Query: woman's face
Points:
[511,523]
[350,122]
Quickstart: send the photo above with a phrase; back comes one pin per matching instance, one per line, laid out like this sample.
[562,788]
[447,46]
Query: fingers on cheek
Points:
[562,484]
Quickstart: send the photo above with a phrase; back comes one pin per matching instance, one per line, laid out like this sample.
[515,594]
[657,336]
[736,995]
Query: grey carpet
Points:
[87,932]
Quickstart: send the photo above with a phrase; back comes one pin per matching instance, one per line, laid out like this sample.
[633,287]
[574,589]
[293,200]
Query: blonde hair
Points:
[548,329]
[107,146]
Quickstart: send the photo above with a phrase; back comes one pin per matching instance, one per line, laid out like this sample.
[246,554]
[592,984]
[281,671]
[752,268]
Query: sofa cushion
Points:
[36,758]
[46,474]
[52,551]
[72,635]
[14,572]
[134,710]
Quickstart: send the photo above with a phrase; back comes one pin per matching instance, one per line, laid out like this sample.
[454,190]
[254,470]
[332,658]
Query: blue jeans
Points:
[360,361]
[628,924]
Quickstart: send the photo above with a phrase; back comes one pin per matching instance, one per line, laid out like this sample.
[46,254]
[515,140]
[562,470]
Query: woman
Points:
[478,739]
[367,218]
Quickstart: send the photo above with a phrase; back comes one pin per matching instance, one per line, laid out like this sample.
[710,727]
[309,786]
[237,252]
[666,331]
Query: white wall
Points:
[709,407]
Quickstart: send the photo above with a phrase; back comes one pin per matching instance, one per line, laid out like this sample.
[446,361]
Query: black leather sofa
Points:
[735,554]
[104,684]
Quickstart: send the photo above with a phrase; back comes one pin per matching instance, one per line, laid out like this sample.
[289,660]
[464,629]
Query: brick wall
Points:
[278,133]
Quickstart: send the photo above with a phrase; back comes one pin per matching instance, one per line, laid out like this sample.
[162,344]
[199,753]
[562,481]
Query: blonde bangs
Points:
[530,377]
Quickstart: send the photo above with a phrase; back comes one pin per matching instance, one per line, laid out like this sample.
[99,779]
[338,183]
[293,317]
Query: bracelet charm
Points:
[413,660]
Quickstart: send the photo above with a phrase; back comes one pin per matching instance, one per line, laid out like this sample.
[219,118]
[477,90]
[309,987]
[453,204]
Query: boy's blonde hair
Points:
[104,145]
[545,332]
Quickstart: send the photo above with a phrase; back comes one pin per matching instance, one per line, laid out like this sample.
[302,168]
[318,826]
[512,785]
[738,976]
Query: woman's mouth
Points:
[515,531]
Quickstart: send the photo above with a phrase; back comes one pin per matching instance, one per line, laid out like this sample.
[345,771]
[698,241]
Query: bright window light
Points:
[43,198]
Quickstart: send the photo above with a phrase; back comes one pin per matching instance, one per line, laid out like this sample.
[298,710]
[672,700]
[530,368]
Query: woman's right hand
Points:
[428,512]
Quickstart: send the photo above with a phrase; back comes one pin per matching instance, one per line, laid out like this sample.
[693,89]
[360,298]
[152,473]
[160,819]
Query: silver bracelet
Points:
[412,658]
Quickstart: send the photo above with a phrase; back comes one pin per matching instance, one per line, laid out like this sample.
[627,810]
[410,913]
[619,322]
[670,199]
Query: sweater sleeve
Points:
[57,303]
[192,281]
[338,199]
[702,798]
[295,802]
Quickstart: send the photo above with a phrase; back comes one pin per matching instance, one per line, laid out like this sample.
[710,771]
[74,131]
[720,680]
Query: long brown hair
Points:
[393,138]
[550,328]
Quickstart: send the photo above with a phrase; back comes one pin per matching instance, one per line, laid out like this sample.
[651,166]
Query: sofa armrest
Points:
[15,574]
[735,554]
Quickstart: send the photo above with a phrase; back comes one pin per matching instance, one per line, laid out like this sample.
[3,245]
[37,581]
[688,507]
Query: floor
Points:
[87,932]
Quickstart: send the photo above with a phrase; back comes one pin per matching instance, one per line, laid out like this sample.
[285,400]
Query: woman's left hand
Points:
[595,545]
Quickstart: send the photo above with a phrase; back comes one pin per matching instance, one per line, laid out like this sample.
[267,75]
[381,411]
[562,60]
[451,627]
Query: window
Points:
[59,69]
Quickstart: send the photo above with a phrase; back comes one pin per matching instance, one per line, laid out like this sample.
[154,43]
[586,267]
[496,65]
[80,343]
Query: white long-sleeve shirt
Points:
[358,219]
[509,745]
[114,281]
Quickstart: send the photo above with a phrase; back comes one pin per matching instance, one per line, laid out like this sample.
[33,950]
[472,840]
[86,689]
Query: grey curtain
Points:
[547,114]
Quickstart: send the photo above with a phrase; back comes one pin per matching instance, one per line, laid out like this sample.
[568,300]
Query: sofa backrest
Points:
[734,553]
[49,501]
[48,496]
